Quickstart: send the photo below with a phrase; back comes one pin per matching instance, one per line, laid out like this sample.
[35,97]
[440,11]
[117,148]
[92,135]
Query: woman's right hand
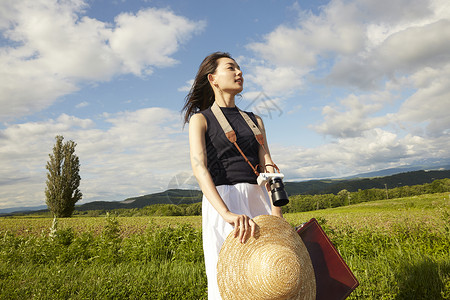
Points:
[244,226]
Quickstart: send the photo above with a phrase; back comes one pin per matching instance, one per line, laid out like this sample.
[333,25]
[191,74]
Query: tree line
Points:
[302,203]
[165,210]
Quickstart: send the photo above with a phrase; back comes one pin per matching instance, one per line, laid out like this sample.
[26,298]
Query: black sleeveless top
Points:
[226,165]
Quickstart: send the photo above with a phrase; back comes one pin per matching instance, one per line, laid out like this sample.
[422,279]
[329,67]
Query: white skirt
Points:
[241,198]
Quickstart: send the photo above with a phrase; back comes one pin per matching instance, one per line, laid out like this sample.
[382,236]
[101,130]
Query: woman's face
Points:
[228,76]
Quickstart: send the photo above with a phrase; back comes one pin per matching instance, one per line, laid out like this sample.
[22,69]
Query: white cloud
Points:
[335,29]
[376,149]
[276,81]
[362,41]
[160,34]
[187,87]
[55,47]
[429,106]
[397,47]
[358,115]
[138,154]
[289,53]
[82,104]
[294,109]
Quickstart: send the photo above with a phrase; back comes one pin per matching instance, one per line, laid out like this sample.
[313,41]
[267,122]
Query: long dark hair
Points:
[201,95]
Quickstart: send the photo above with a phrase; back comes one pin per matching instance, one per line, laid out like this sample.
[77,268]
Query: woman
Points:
[231,196]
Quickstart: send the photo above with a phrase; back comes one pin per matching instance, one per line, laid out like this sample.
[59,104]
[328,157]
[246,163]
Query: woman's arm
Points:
[264,160]
[243,225]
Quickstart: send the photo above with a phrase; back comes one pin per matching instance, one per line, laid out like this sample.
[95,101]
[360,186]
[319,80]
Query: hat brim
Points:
[274,264]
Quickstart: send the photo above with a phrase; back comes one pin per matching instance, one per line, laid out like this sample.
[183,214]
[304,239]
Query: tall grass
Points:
[398,249]
[163,263]
[409,262]
[125,280]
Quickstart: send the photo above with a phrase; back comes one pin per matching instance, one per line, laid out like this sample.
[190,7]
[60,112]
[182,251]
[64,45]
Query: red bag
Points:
[334,279]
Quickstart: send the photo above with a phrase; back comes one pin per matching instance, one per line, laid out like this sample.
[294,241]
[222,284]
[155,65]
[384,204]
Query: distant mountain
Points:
[333,186]
[173,196]
[22,209]
[393,171]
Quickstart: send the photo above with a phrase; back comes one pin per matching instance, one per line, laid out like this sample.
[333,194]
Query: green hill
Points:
[333,186]
[174,196]
[329,186]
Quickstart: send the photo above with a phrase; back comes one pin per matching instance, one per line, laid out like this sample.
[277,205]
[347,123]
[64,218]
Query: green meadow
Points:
[397,248]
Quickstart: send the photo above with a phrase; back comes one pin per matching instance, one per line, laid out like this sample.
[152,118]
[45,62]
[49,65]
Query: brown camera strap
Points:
[231,135]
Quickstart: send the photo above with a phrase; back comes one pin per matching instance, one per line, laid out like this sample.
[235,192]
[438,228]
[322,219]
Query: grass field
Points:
[26,226]
[398,249]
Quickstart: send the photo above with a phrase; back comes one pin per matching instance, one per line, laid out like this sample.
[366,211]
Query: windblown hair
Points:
[201,95]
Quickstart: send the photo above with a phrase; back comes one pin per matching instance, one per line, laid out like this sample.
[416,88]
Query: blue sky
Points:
[344,87]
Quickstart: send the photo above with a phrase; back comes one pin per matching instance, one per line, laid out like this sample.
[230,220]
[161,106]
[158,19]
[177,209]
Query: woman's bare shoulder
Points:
[259,121]
[197,121]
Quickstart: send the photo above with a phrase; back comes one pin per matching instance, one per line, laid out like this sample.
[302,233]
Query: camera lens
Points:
[279,195]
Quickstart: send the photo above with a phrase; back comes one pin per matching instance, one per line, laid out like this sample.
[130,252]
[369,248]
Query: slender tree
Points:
[63,179]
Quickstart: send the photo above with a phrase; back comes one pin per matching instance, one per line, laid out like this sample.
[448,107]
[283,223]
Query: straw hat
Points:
[272,265]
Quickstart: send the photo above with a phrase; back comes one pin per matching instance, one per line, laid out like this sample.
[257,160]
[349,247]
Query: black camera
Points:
[275,180]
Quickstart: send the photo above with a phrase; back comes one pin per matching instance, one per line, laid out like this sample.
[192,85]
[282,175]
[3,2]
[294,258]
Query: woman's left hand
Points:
[244,226]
